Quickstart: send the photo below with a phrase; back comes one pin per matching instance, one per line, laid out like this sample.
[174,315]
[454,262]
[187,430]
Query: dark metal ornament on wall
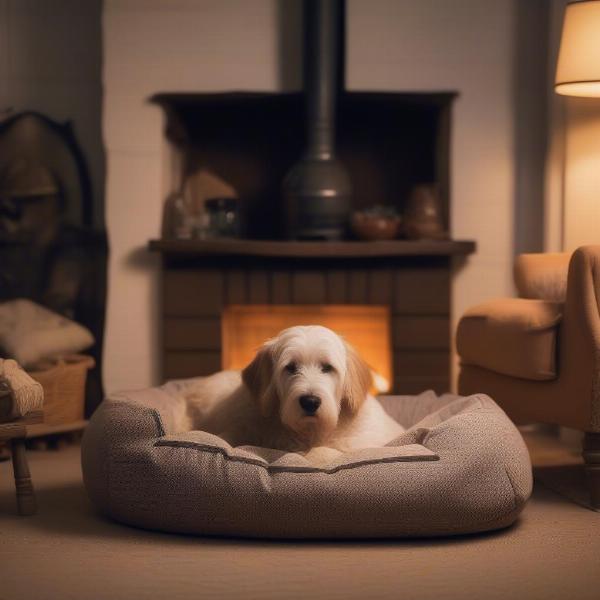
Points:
[49,251]
[317,188]
[35,139]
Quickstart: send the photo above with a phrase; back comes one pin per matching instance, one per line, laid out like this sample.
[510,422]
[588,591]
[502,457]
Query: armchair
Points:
[538,355]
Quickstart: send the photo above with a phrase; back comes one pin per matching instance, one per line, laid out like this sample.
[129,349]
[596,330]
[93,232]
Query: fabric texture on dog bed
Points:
[460,467]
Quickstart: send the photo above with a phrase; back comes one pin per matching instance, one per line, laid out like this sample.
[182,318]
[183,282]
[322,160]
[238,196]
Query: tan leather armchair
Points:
[538,355]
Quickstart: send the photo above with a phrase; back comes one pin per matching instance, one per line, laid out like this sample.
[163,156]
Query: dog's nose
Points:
[310,403]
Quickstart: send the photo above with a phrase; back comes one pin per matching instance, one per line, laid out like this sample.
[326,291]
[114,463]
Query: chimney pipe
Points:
[317,188]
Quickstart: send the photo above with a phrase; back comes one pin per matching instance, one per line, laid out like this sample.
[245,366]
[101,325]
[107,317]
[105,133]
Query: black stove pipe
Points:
[317,188]
[321,22]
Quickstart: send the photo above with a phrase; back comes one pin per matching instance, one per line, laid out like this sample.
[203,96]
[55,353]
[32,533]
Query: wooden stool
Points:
[15,432]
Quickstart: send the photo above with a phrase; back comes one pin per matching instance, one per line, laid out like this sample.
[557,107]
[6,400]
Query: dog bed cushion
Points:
[460,467]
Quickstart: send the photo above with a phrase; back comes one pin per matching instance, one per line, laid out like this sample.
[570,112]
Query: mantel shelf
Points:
[309,249]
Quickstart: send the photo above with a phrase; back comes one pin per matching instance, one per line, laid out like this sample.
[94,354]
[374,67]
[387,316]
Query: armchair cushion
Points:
[511,336]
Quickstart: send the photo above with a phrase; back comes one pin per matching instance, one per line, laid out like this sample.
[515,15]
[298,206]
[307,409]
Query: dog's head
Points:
[308,376]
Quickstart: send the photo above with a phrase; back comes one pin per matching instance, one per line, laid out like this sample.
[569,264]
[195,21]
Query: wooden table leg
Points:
[25,497]
[591,456]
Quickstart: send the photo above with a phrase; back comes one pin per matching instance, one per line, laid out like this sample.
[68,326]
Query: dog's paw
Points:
[321,456]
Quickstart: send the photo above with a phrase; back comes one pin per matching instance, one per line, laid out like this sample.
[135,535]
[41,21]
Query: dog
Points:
[306,391]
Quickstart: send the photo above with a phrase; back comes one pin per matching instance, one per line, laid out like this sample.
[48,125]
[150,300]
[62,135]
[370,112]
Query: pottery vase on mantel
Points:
[423,219]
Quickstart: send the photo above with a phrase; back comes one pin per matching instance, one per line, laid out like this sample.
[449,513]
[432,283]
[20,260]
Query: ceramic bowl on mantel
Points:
[376,223]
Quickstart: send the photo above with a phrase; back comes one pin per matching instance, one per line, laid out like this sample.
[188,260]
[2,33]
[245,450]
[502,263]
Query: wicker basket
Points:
[64,388]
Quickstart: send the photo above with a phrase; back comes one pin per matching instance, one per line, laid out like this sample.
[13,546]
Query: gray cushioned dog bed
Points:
[460,467]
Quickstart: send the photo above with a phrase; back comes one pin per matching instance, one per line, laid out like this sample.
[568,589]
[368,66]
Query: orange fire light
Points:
[367,328]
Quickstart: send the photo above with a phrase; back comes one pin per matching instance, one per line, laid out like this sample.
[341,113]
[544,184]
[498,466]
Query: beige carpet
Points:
[67,551]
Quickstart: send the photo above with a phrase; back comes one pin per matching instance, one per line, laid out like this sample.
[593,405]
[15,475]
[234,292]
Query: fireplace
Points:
[247,142]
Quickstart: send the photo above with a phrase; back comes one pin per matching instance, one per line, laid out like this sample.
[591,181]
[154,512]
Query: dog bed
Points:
[460,467]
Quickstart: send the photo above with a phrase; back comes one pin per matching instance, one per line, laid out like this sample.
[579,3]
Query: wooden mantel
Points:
[302,249]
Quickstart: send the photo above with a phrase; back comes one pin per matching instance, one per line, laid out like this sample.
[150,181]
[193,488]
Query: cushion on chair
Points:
[542,276]
[460,467]
[30,333]
[512,336]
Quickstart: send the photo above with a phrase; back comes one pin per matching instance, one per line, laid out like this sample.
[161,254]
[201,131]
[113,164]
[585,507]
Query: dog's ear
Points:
[258,378]
[358,380]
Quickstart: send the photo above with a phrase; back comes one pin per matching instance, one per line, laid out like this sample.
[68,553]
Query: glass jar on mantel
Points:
[179,221]
[223,217]
[220,218]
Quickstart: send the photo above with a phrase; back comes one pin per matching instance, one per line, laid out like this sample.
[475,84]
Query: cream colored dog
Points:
[306,391]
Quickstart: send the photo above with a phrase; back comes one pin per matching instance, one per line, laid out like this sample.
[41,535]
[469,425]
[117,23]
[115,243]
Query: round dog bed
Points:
[460,467]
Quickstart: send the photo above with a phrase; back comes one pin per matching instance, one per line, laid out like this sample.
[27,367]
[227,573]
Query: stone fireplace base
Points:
[201,279]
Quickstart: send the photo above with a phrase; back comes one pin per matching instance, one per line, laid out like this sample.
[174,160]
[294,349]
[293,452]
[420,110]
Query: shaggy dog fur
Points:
[306,391]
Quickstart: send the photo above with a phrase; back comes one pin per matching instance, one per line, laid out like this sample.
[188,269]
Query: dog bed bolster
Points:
[460,467]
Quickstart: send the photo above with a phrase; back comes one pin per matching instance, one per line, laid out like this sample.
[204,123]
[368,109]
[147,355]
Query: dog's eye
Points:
[291,368]
[327,368]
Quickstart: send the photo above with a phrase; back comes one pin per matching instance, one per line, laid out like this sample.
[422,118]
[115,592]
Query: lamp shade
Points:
[578,69]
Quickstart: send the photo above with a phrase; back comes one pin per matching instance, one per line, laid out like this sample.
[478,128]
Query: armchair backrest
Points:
[542,276]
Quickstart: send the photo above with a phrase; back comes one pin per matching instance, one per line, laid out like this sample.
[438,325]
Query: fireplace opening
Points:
[245,327]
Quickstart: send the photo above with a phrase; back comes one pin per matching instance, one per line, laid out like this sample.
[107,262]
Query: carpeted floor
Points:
[68,551]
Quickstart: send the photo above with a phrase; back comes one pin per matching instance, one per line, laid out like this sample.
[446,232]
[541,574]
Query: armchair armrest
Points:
[19,393]
[582,308]
[579,339]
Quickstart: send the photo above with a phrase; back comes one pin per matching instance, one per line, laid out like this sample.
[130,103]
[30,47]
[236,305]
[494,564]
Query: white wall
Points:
[581,202]
[202,45]
[50,57]
[464,45]
[153,46]
[573,165]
